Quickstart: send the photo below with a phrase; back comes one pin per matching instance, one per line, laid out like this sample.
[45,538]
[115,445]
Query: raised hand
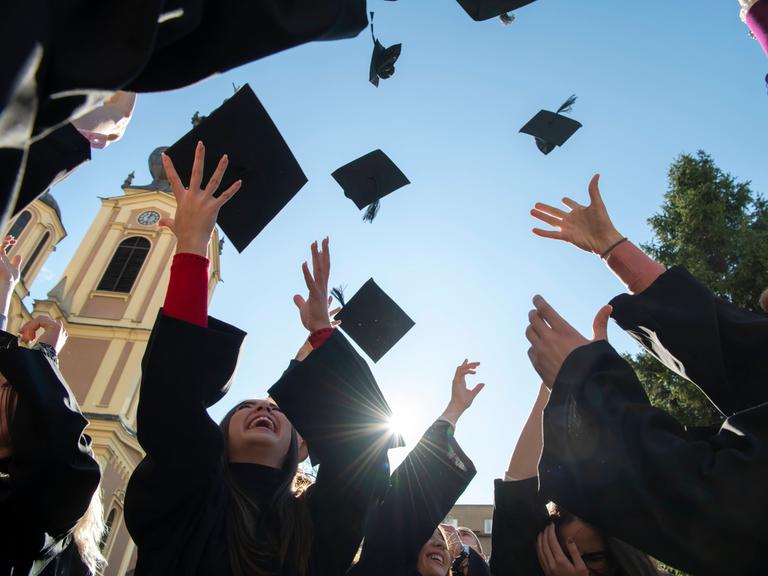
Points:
[55,335]
[553,339]
[9,267]
[306,347]
[196,208]
[553,559]
[314,309]
[586,227]
[462,396]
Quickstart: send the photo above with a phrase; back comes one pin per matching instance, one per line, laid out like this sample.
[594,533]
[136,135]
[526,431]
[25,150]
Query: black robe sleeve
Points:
[423,490]
[716,345]
[52,475]
[334,402]
[634,471]
[185,369]
[519,514]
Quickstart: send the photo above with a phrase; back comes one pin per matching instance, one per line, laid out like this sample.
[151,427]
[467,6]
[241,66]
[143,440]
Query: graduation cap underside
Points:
[382,60]
[550,129]
[374,321]
[242,129]
[485,9]
[368,179]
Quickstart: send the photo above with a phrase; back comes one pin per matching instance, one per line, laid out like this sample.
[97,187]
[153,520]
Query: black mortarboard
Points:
[368,179]
[382,60]
[552,129]
[373,320]
[242,129]
[485,9]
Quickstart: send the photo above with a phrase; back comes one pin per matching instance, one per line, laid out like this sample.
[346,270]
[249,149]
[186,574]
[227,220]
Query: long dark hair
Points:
[270,539]
[627,560]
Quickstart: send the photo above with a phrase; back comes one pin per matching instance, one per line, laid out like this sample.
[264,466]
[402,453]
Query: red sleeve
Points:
[634,267]
[187,295]
[318,338]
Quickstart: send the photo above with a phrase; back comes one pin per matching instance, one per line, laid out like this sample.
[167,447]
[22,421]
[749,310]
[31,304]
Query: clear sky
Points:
[654,79]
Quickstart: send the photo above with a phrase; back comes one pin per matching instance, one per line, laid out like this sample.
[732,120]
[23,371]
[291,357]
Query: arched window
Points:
[107,529]
[39,248]
[125,265]
[20,224]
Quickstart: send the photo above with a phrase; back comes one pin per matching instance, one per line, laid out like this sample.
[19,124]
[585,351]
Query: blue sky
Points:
[454,249]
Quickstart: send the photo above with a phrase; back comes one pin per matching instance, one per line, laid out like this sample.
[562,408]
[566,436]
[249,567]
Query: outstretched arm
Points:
[590,228]
[525,457]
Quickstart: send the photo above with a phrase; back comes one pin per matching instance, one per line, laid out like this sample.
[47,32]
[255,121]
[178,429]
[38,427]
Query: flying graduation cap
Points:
[485,9]
[242,129]
[368,179]
[383,59]
[372,319]
[552,129]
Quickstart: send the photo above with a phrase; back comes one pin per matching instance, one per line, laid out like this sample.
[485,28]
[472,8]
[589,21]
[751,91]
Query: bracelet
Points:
[612,247]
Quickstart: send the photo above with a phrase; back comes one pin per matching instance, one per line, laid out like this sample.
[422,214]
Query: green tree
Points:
[717,228]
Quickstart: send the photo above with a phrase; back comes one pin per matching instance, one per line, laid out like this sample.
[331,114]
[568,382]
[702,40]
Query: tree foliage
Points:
[717,228]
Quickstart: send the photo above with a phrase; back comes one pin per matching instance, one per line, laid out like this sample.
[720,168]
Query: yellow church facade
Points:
[108,298]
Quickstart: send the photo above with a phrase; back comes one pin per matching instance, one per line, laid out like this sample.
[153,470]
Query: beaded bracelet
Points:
[612,247]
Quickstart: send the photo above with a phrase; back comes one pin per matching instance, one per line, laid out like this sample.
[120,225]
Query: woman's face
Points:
[434,558]
[590,542]
[259,433]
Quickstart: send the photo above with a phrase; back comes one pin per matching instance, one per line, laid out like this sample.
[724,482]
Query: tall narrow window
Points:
[20,224]
[107,529]
[125,265]
[35,254]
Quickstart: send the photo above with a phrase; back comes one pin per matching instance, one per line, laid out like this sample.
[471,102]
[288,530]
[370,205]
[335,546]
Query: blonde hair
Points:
[88,533]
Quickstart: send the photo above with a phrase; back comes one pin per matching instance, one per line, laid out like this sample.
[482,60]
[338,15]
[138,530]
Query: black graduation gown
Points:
[718,346]
[470,563]
[694,502]
[51,476]
[72,49]
[422,491]
[519,515]
[175,505]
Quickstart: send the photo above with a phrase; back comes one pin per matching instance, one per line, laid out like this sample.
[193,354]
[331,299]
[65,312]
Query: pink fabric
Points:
[757,20]
[108,122]
[634,267]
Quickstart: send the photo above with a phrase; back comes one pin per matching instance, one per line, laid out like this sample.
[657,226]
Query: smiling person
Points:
[687,497]
[49,479]
[227,499]
[404,537]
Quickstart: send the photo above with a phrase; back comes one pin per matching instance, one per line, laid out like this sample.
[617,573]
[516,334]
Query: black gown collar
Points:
[257,481]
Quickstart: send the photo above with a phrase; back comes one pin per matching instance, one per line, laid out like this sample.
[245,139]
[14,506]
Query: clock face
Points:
[148,217]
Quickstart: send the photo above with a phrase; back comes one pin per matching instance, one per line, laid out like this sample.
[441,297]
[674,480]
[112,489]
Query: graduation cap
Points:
[368,179]
[485,9]
[552,129]
[373,320]
[382,60]
[242,129]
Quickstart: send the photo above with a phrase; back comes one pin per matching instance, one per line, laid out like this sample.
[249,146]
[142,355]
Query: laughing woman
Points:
[227,499]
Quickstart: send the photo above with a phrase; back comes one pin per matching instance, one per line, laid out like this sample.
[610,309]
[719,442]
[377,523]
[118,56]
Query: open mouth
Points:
[261,421]
[437,559]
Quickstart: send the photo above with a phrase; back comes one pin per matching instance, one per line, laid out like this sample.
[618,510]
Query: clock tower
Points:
[108,299]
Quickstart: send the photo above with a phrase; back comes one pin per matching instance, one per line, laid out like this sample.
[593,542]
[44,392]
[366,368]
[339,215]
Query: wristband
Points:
[611,248]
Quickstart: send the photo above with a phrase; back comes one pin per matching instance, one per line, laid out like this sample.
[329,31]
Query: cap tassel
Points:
[567,105]
[373,36]
[371,211]
[338,293]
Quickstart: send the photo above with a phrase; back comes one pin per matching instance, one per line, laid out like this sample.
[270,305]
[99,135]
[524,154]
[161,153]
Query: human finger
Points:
[218,174]
[332,313]
[594,190]
[308,280]
[537,323]
[572,204]
[532,336]
[225,196]
[167,223]
[551,539]
[554,234]
[549,314]
[575,554]
[550,210]
[173,177]
[544,217]
[316,270]
[546,552]
[298,299]
[600,323]
[198,166]
[476,390]
[16,261]
[326,260]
